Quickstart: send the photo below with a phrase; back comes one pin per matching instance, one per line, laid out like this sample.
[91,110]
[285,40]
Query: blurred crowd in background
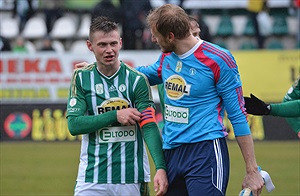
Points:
[63,25]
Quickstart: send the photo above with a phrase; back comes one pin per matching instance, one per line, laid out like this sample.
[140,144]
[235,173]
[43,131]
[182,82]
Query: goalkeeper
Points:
[289,108]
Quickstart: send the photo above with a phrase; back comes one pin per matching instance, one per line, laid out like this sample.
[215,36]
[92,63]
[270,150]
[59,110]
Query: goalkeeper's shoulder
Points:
[135,71]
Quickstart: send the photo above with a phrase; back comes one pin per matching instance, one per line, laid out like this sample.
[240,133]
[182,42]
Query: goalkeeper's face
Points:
[165,43]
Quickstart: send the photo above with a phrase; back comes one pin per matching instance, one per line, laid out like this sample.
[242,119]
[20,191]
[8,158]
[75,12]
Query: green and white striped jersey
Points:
[293,94]
[116,153]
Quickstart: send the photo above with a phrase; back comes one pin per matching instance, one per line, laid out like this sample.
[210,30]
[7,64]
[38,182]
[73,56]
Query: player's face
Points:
[163,42]
[195,30]
[106,47]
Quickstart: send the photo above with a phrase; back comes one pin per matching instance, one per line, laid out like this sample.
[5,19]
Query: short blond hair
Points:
[170,18]
[102,23]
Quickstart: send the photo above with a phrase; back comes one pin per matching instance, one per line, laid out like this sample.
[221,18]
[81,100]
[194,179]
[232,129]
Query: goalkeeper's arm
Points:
[258,107]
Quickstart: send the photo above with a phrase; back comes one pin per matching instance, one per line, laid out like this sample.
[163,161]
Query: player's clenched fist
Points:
[128,116]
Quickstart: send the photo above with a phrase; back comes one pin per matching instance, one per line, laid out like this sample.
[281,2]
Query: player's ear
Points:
[171,36]
[89,45]
[121,42]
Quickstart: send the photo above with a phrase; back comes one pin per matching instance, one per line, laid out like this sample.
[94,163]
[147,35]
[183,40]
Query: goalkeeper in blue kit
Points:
[111,105]
[200,81]
[289,108]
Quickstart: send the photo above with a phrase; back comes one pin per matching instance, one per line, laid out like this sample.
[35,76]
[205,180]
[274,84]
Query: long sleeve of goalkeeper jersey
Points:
[153,141]
[88,124]
[286,109]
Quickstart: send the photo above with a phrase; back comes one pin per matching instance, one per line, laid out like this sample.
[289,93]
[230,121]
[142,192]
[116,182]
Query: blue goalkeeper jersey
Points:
[198,86]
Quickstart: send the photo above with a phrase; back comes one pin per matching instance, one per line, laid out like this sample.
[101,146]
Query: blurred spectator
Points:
[47,44]
[295,4]
[204,33]
[19,45]
[146,40]
[80,5]
[6,5]
[254,8]
[4,44]
[176,2]
[53,9]
[195,29]
[106,8]
[24,10]
[133,22]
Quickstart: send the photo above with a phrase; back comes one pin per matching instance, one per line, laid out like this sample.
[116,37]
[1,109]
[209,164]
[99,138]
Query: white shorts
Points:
[90,189]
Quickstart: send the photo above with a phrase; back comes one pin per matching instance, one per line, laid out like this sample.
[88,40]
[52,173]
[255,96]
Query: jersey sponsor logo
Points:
[115,103]
[99,89]
[117,134]
[72,102]
[176,114]
[290,90]
[176,87]
[178,66]
[73,110]
[288,95]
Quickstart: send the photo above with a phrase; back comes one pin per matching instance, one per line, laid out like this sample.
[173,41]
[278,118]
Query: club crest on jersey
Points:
[122,88]
[192,71]
[176,87]
[99,89]
[115,103]
[178,66]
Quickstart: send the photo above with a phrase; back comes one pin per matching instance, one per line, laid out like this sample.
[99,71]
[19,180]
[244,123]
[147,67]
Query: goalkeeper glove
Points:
[256,106]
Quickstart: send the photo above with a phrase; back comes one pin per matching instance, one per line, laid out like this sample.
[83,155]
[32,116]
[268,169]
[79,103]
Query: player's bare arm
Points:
[253,179]
[160,182]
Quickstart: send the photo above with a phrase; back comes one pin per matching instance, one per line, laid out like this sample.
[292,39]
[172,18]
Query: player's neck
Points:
[184,45]
[109,70]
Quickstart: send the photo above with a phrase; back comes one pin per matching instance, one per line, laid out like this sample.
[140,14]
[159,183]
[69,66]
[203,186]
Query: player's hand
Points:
[256,106]
[254,182]
[160,182]
[81,65]
[128,116]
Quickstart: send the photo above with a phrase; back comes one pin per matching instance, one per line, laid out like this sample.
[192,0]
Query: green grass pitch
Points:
[50,168]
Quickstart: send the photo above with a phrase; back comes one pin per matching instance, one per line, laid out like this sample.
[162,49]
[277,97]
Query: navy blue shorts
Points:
[198,169]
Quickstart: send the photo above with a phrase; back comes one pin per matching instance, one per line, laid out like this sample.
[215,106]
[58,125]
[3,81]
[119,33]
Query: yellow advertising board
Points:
[268,74]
